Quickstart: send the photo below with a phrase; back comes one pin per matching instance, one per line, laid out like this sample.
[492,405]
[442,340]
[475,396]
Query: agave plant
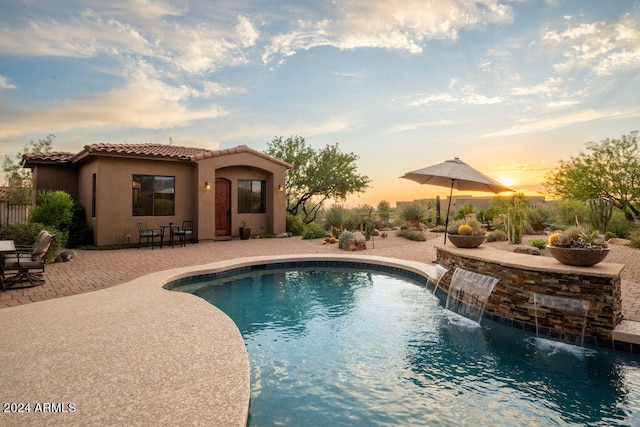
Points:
[583,239]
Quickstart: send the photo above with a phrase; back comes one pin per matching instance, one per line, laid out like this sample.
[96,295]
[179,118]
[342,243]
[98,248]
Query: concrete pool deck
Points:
[137,354]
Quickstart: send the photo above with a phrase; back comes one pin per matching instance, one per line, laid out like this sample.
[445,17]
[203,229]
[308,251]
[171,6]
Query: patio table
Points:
[172,230]
[6,247]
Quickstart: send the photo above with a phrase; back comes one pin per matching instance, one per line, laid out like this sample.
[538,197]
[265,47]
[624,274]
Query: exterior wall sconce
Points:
[207,185]
[280,187]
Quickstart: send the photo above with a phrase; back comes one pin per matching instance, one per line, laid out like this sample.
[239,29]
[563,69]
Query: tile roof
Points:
[238,149]
[151,151]
[51,156]
[145,150]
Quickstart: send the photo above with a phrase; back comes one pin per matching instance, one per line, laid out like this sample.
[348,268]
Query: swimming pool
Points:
[357,347]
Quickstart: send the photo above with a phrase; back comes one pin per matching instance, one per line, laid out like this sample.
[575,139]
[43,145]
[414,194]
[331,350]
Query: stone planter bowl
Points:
[461,241]
[581,257]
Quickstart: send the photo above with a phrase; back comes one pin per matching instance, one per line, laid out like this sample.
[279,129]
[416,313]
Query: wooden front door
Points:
[223,207]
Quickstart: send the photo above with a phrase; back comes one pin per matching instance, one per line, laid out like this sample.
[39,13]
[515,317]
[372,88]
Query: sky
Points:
[511,87]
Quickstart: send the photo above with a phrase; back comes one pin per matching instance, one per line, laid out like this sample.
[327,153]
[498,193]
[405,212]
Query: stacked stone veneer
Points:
[523,275]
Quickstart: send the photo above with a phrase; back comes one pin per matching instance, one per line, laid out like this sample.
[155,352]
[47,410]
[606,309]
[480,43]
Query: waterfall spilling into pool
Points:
[469,293]
[569,316]
[339,346]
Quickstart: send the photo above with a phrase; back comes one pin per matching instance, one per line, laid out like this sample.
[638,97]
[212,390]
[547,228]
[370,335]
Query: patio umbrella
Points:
[455,174]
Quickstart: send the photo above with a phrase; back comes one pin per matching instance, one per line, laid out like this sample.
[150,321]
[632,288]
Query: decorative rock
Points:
[64,256]
[354,245]
[531,250]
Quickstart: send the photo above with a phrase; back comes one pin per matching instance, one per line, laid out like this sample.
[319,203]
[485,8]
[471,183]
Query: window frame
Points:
[160,194]
[252,196]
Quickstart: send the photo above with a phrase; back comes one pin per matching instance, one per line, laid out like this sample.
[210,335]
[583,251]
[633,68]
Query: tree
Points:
[19,178]
[317,175]
[610,170]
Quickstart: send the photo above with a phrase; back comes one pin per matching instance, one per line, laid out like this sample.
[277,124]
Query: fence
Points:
[13,214]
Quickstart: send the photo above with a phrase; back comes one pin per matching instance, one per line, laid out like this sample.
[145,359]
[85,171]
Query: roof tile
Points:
[145,150]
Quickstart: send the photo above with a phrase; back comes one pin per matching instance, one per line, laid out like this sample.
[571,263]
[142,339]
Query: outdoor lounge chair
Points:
[28,262]
[147,233]
[185,232]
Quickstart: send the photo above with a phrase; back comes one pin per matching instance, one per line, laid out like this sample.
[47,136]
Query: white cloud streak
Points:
[389,24]
[145,102]
[604,46]
[547,124]
[4,83]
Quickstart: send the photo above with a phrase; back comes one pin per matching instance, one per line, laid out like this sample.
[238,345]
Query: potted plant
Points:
[245,232]
[466,235]
[578,247]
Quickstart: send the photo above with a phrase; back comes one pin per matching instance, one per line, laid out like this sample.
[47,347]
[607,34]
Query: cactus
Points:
[368,228]
[465,230]
[514,223]
[554,239]
[600,212]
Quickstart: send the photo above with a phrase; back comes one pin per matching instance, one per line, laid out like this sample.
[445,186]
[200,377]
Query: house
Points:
[120,185]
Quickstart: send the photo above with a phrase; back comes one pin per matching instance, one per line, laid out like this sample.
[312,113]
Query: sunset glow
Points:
[510,87]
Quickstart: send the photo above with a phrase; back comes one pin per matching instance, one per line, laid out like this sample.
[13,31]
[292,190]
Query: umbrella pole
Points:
[446,221]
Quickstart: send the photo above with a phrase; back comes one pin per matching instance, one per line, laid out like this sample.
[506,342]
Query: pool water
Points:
[352,348]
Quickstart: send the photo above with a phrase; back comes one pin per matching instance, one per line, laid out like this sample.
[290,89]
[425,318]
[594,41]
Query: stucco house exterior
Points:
[121,185]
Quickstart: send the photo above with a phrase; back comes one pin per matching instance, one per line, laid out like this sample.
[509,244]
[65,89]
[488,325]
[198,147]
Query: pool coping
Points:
[137,353]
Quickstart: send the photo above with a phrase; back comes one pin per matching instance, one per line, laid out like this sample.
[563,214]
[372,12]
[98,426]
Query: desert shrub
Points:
[497,236]
[575,231]
[413,214]
[313,231]
[538,243]
[384,214]
[619,225]
[568,212]
[295,225]
[79,231]
[415,235]
[610,235]
[540,218]
[335,217]
[463,210]
[438,229]
[25,234]
[635,242]
[344,236]
[54,209]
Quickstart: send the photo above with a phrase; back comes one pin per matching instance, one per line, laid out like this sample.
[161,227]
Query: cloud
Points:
[407,127]
[144,103]
[467,96]
[551,86]
[194,48]
[388,24]
[603,46]
[4,83]
[543,125]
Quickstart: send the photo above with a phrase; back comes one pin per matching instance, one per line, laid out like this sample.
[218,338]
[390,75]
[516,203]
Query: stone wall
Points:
[522,275]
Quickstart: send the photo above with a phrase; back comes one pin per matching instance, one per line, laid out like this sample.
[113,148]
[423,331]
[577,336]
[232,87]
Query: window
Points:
[153,195]
[252,196]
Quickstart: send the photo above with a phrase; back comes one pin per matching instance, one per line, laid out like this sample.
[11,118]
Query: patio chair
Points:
[147,233]
[185,232]
[28,262]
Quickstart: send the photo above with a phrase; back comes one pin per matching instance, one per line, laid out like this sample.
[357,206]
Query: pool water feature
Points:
[346,347]
[570,316]
[469,293]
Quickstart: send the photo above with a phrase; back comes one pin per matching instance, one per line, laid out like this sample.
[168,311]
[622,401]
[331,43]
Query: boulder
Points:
[530,250]
[354,245]
[65,256]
